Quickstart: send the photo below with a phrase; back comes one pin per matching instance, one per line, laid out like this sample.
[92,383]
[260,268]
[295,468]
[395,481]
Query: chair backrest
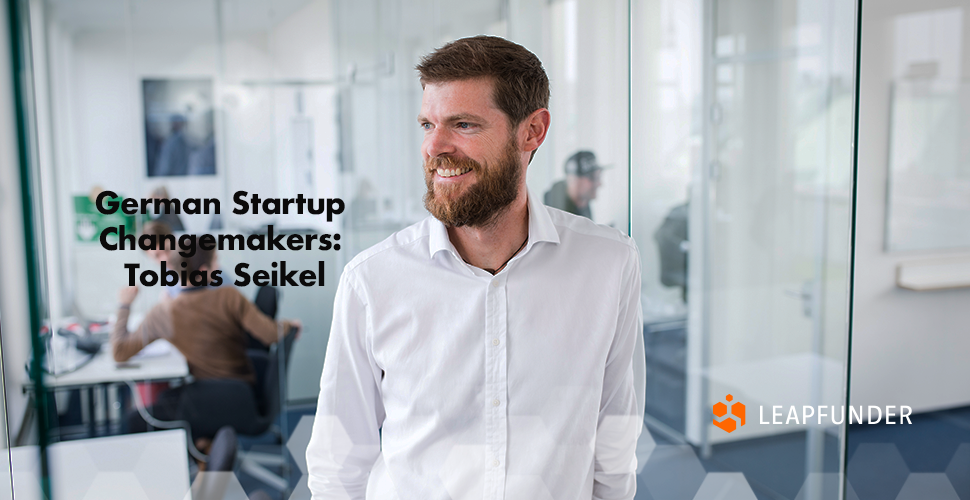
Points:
[213,484]
[259,495]
[274,383]
[267,300]
[222,453]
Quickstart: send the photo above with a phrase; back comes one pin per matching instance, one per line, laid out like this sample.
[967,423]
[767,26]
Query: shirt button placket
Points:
[496,386]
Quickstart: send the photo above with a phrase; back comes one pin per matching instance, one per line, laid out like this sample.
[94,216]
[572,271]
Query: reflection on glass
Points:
[727,128]
[742,222]
[929,166]
[203,99]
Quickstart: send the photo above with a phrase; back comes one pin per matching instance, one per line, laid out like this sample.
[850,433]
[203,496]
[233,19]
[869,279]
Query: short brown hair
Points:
[164,239]
[201,257]
[521,84]
[156,228]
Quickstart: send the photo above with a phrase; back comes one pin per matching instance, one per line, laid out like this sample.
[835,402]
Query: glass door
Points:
[741,208]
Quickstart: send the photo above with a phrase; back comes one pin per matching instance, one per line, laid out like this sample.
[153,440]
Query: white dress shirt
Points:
[442,381]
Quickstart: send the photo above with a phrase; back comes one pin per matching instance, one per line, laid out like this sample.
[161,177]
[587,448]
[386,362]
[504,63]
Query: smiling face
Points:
[473,166]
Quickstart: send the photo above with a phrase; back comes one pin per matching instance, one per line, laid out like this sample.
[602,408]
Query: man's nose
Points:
[438,142]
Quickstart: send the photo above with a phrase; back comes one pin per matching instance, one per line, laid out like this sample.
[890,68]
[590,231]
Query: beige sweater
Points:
[206,326]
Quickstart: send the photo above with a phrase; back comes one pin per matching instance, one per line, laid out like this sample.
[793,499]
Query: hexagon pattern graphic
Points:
[461,458]
[645,446]
[877,471]
[672,473]
[334,433]
[115,485]
[25,469]
[299,440]
[150,466]
[819,485]
[530,486]
[297,444]
[725,486]
[216,486]
[959,471]
[159,486]
[877,468]
[927,485]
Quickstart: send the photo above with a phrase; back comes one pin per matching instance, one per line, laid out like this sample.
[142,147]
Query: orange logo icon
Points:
[729,422]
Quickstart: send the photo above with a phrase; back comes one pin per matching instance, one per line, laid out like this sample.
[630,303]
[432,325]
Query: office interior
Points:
[798,188]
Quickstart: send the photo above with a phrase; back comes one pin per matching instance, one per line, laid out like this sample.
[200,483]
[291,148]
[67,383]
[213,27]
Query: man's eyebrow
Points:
[461,117]
[464,117]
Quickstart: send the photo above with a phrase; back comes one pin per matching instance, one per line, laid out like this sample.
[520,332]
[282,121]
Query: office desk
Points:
[102,369]
[158,362]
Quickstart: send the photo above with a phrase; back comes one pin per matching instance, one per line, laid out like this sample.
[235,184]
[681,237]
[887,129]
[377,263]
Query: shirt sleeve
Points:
[622,404]
[156,325]
[345,441]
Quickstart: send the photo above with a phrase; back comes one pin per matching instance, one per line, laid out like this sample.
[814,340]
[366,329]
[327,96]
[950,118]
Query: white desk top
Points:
[169,364]
[133,466]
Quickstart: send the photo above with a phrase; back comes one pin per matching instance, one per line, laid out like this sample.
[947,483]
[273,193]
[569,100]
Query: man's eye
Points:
[464,125]
[426,126]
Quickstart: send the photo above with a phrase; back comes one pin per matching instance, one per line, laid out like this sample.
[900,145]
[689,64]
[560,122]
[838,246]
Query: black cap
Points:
[582,164]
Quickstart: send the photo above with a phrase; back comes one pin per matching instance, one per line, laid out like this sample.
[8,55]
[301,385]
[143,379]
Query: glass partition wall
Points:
[742,173]
[725,126]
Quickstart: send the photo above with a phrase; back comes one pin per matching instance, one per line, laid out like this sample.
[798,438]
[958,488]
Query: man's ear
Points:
[534,129]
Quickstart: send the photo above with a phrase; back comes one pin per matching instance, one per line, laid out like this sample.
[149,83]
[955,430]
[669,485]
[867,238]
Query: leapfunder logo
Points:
[729,422]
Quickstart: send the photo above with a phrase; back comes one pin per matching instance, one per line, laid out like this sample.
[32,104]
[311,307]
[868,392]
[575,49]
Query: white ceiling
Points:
[171,16]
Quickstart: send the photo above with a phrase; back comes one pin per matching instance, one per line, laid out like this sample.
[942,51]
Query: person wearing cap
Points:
[574,193]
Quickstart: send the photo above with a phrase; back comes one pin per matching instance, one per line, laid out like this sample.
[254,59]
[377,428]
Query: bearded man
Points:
[494,349]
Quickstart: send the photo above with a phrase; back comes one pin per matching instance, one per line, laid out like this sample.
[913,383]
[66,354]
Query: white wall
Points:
[907,347]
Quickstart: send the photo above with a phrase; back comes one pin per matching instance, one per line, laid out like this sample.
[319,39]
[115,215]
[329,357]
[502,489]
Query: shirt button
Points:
[495,342]
[495,463]
[496,402]
[495,284]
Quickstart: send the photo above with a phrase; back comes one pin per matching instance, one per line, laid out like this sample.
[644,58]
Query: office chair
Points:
[222,452]
[207,405]
[267,301]
[212,484]
[260,495]
[273,394]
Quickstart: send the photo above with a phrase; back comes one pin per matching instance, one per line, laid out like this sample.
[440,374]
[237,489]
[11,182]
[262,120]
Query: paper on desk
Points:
[157,348]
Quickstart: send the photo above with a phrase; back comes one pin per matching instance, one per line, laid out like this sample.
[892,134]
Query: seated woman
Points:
[206,324]
[163,251]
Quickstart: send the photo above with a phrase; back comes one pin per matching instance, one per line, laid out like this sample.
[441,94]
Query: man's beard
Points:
[481,203]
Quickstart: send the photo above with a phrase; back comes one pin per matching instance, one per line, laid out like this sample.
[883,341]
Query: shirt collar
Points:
[541,228]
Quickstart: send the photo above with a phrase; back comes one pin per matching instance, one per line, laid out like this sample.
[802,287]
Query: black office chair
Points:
[207,405]
[273,394]
[254,408]
[222,452]
[249,410]
[267,301]
[213,483]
